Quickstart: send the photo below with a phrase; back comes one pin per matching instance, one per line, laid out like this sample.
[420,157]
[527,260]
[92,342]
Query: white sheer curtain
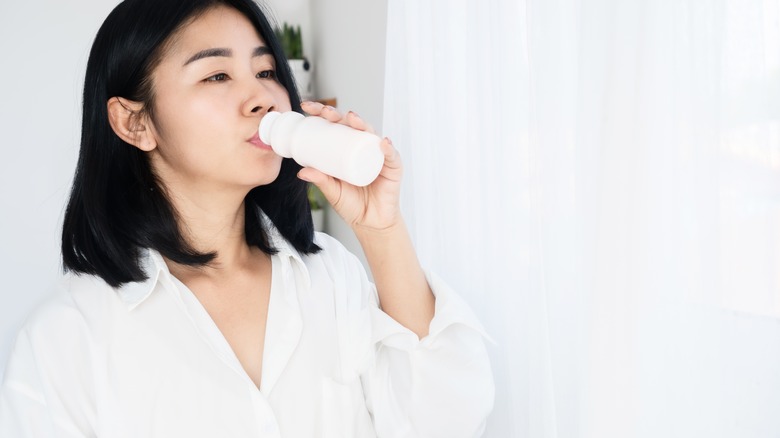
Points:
[601,180]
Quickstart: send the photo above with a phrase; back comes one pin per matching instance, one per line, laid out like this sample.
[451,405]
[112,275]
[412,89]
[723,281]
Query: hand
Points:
[375,207]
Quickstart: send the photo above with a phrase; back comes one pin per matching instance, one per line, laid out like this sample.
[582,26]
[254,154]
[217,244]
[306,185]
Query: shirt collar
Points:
[152,263]
[284,248]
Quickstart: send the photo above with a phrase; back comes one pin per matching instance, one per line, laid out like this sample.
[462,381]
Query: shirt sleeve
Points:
[438,386]
[45,388]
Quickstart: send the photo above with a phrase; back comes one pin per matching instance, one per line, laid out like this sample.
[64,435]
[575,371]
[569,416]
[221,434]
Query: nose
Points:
[259,101]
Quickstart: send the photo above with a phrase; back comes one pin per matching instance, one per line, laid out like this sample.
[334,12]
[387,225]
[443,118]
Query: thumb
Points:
[329,186]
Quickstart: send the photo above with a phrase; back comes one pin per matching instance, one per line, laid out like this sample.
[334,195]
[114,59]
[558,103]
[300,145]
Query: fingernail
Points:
[388,140]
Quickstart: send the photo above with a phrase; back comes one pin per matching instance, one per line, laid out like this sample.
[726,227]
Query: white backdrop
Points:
[44,48]
[601,180]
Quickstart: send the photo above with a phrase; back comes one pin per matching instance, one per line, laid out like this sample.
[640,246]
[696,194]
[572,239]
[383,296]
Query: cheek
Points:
[281,99]
[183,142]
[189,122]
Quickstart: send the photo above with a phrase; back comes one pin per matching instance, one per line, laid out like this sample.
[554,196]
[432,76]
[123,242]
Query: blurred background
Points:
[600,179]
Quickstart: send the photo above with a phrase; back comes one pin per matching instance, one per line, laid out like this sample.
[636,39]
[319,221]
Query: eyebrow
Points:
[223,52]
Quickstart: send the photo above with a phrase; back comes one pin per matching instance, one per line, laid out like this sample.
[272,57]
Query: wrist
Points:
[391,230]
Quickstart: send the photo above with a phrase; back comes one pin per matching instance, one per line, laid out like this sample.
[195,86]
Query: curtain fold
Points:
[601,181]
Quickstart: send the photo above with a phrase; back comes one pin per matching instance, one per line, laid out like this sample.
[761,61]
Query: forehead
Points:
[220,26]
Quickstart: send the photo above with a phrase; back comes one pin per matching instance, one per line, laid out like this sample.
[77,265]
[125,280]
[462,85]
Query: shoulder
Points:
[49,372]
[73,300]
[57,339]
[334,255]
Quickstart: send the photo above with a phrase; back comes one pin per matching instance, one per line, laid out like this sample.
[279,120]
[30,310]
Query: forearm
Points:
[403,290]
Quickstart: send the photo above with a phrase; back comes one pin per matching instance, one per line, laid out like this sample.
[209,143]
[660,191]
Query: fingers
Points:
[327,112]
[329,186]
[312,108]
[392,157]
[387,148]
[357,122]
[333,115]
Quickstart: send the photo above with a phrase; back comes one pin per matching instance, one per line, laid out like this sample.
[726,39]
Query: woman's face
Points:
[212,87]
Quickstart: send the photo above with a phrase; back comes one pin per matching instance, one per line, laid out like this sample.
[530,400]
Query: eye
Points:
[219,77]
[267,74]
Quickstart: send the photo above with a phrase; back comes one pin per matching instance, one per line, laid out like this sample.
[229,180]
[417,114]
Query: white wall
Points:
[345,40]
[294,13]
[350,47]
[44,46]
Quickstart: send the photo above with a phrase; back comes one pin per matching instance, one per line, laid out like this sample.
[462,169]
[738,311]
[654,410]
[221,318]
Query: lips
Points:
[255,140]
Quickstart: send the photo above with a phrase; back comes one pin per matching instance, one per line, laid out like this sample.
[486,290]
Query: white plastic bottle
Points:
[340,151]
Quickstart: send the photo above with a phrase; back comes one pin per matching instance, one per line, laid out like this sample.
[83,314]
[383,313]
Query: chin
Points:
[265,180]
[265,174]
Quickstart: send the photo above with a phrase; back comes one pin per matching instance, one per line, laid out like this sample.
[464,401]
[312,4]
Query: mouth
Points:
[255,140]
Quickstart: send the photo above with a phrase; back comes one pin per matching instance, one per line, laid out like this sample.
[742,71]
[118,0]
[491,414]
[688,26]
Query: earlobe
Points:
[130,124]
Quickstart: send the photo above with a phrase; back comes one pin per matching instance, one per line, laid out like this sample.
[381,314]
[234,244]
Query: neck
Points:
[214,222]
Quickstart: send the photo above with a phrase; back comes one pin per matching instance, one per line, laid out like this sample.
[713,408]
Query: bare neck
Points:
[214,223]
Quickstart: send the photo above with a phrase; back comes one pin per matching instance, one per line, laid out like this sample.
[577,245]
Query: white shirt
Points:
[146,360]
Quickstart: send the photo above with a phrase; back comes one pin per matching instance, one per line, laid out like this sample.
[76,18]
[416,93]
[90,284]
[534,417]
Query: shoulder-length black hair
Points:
[117,206]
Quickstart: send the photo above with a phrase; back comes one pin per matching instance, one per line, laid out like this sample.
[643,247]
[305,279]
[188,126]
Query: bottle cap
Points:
[265,127]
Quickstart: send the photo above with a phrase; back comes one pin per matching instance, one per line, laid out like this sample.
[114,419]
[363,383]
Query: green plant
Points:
[290,38]
[316,198]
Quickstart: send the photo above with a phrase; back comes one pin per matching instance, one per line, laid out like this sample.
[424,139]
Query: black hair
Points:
[117,205]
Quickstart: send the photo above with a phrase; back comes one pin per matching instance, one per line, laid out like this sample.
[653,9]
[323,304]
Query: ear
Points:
[130,123]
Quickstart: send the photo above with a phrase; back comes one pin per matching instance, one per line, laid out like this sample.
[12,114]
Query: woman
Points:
[199,301]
